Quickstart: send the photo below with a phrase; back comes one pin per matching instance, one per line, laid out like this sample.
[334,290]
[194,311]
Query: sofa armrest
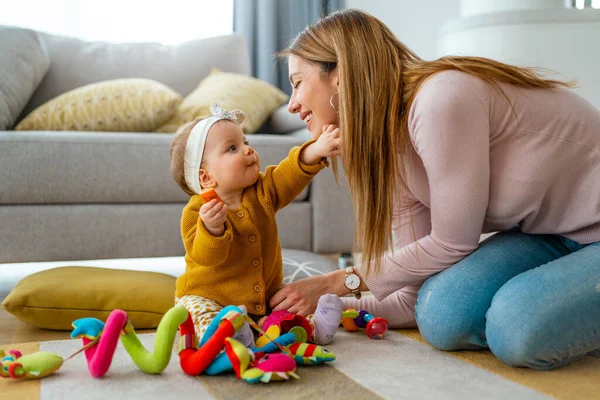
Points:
[281,121]
[333,213]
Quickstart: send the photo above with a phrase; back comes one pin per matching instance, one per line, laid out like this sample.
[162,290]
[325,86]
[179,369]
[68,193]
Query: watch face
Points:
[352,281]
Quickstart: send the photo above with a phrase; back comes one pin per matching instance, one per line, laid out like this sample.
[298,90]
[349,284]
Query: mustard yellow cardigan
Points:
[243,266]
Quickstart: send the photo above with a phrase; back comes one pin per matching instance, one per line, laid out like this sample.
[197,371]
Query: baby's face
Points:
[229,159]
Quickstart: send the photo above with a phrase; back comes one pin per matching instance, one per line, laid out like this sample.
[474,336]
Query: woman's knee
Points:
[443,319]
[515,333]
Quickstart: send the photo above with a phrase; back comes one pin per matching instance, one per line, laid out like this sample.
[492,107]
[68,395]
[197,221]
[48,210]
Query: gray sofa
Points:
[92,195]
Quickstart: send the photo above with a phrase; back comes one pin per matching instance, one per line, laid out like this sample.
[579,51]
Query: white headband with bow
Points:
[194,148]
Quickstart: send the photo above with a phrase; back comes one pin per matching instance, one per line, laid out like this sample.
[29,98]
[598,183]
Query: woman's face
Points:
[312,91]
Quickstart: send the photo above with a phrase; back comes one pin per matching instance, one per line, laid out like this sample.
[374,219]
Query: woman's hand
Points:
[301,297]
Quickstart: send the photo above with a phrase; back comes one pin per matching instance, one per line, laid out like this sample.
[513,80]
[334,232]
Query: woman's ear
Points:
[206,179]
[334,78]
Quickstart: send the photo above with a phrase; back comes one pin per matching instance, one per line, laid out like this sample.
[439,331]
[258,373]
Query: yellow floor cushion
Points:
[54,298]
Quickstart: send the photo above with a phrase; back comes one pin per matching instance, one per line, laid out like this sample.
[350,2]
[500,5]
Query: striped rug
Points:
[402,366]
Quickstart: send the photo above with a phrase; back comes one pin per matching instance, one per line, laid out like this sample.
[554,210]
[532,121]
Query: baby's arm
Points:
[284,182]
[205,243]
[327,145]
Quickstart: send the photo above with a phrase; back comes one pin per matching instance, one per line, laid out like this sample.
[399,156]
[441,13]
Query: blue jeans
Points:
[533,300]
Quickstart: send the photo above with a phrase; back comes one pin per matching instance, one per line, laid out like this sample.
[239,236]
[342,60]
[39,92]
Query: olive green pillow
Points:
[54,298]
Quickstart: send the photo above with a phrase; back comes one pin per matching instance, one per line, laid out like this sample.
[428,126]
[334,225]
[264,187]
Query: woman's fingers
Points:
[278,297]
[285,299]
[284,305]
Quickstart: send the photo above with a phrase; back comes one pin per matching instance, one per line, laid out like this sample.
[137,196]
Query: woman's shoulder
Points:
[455,81]
[445,91]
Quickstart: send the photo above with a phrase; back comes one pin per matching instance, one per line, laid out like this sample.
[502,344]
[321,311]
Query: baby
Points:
[233,253]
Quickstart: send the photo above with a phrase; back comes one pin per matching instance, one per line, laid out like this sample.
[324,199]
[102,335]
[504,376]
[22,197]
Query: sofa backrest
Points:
[75,63]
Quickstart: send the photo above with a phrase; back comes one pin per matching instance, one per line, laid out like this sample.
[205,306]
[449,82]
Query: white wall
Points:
[561,40]
[546,34]
[414,22]
[472,7]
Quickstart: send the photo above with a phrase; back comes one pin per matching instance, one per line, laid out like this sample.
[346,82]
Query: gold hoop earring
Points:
[331,102]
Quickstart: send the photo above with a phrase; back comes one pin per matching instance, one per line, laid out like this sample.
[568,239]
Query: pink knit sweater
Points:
[478,166]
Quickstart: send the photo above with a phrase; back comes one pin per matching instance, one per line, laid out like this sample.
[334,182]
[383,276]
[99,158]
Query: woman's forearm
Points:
[335,283]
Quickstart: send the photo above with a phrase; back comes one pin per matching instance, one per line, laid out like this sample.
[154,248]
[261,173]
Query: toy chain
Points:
[101,339]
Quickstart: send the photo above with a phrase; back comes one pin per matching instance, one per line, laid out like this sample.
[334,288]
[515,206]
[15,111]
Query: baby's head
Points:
[215,153]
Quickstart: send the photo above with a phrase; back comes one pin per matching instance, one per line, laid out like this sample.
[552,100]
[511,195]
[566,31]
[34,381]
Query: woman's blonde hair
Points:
[177,152]
[378,80]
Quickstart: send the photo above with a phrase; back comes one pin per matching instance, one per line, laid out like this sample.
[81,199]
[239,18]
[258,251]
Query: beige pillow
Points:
[121,105]
[258,99]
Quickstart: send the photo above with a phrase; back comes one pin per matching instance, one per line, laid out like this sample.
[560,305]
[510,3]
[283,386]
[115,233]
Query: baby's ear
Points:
[240,115]
[206,179]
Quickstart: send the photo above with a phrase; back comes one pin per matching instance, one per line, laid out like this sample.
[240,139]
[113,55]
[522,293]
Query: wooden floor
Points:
[14,331]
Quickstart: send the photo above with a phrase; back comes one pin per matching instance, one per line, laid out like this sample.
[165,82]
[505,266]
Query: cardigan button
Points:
[255,262]
[257,288]
[258,307]
[252,238]
[240,214]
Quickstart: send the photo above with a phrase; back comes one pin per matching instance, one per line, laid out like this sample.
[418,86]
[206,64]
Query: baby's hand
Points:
[213,215]
[328,144]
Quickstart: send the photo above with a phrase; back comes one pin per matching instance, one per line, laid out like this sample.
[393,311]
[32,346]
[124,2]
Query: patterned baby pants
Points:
[203,311]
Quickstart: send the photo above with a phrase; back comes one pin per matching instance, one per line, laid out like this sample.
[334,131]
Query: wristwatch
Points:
[352,282]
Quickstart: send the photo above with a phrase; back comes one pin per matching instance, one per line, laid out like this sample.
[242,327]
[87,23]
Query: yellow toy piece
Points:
[348,320]
[273,332]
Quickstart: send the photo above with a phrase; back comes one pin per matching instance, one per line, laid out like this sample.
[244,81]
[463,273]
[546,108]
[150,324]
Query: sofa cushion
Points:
[256,98]
[91,167]
[84,231]
[54,298]
[23,63]
[119,105]
[282,121]
[75,63]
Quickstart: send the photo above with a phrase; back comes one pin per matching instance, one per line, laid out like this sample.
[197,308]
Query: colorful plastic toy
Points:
[195,360]
[375,327]
[283,321]
[100,340]
[31,366]
[259,367]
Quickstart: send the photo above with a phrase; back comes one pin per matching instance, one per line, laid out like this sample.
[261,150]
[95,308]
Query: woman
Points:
[437,153]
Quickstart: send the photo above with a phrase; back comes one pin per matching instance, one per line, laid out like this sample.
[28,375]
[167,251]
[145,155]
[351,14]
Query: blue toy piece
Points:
[214,324]
[223,364]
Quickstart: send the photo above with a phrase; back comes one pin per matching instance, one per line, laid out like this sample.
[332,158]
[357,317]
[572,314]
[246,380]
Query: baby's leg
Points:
[202,310]
[326,318]
[245,335]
